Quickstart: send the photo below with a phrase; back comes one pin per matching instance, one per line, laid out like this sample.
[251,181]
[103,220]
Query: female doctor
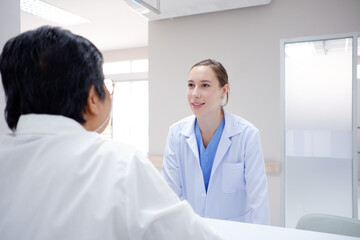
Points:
[213,159]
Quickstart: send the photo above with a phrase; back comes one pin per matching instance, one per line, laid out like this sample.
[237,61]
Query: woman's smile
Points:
[197,105]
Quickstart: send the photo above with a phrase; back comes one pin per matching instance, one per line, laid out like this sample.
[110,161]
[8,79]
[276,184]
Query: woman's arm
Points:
[153,211]
[170,169]
[256,182]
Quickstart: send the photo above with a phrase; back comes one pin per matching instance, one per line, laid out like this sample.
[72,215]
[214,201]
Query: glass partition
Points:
[318,118]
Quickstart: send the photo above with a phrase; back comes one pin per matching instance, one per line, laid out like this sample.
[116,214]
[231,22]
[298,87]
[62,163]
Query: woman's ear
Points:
[225,89]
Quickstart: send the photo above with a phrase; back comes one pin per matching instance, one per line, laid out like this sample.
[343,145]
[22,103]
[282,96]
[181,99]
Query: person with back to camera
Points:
[59,179]
[213,159]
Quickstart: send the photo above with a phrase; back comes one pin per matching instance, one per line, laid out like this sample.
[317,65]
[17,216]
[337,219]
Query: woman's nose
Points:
[196,93]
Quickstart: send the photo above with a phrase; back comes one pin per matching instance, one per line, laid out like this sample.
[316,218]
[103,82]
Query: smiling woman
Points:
[213,159]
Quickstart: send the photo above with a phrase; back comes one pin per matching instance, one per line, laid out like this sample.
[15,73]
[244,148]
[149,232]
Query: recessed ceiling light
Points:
[50,12]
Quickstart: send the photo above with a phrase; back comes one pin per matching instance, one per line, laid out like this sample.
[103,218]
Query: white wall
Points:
[125,54]
[247,42]
[9,27]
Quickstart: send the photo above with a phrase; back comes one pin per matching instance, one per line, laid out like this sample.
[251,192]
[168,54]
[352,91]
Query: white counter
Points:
[244,231]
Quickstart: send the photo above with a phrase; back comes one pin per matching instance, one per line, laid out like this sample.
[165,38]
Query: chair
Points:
[330,224]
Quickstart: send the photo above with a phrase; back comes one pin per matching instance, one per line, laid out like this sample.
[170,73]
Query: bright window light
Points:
[300,50]
[141,65]
[117,67]
[134,66]
[50,12]
[130,119]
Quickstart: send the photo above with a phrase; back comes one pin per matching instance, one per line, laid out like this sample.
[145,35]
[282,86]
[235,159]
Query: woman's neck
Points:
[208,125]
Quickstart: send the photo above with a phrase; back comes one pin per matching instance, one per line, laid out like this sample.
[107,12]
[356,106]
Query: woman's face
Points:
[204,93]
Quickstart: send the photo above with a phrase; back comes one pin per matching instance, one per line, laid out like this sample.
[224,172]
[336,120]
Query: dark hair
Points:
[218,69]
[49,70]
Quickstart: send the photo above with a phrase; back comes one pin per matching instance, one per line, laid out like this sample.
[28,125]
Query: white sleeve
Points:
[170,170]
[153,209]
[256,182]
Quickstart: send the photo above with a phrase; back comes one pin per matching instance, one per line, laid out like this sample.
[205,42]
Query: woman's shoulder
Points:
[241,122]
[183,122]
[183,127]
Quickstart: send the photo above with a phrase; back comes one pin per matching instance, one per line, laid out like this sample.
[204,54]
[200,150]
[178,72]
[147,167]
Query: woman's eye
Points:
[190,85]
[206,85]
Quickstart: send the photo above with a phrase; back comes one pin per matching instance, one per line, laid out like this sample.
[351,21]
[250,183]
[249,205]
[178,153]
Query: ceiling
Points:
[113,24]
[162,9]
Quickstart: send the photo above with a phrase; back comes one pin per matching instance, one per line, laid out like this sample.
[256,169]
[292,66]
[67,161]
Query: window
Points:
[130,104]
[130,121]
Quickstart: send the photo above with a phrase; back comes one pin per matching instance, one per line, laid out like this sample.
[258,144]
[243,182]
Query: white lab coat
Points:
[59,181]
[237,188]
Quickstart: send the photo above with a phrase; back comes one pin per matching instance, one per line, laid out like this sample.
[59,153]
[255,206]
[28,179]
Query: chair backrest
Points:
[330,224]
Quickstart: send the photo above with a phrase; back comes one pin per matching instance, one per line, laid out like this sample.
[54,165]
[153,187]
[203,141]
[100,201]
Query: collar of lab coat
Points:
[46,124]
[231,127]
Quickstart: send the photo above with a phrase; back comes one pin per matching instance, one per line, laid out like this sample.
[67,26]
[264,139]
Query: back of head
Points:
[49,71]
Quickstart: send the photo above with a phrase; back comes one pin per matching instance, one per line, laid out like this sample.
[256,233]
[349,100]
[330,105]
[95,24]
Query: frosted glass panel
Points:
[318,128]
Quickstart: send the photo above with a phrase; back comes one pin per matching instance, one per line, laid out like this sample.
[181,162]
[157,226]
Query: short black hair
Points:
[49,70]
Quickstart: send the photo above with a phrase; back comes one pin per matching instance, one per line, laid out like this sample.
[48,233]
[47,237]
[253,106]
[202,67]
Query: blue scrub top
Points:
[207,154]
[237,190]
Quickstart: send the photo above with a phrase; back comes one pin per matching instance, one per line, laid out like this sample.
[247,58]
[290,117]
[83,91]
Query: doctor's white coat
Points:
[59,181]
[237,188]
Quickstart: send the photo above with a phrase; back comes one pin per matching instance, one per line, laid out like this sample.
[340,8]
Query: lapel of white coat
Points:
[231,128]
[189,132]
